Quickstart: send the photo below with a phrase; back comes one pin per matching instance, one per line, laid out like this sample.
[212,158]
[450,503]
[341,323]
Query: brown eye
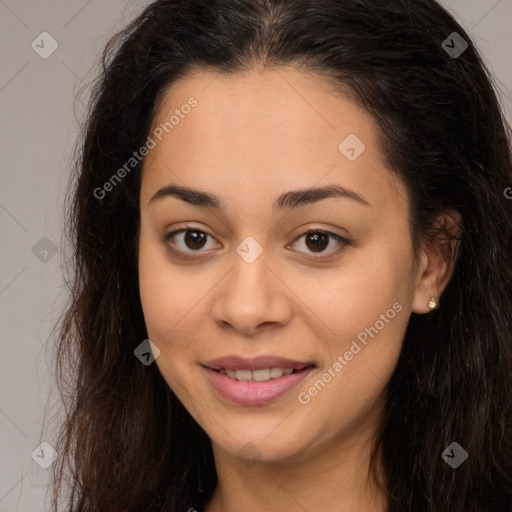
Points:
[317,241]
[193,241]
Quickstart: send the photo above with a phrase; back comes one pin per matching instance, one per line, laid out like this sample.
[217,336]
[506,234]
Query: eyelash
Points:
[343,241]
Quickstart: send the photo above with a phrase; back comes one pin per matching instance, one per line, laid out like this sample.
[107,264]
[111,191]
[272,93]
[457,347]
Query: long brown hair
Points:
[127,443]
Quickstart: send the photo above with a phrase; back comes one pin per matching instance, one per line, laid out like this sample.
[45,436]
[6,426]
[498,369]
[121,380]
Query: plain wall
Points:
[38,131]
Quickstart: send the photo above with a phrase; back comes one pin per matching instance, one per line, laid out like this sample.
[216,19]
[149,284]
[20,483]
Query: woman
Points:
[302,205]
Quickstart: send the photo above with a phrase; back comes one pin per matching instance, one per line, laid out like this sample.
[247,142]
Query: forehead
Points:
[278,129]
[277,104]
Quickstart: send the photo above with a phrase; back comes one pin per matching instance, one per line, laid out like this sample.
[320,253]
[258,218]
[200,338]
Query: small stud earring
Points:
[432,303]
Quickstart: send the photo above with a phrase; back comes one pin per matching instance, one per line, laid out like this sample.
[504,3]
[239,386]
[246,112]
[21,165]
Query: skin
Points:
[252,137]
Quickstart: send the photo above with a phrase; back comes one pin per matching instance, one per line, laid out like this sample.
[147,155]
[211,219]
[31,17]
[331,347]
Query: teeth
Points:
[275,373]
[243,375]
[257,375]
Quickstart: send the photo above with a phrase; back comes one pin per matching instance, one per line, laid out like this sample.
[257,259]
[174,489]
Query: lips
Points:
[255,381]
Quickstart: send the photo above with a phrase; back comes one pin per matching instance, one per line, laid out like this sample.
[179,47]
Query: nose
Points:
[252,297]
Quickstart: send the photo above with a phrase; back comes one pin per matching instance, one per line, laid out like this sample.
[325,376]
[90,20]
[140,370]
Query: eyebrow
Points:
[286,201]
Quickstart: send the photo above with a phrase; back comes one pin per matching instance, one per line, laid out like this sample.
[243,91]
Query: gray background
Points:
[38,132]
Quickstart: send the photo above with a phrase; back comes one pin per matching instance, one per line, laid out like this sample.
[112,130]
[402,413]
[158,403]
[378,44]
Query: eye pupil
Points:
[320,241]
[196,238]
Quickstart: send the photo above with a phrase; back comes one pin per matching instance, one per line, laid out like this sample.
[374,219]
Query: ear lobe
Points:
[437,261]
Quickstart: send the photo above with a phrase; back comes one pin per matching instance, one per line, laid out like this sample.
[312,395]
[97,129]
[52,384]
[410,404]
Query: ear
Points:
[437,261]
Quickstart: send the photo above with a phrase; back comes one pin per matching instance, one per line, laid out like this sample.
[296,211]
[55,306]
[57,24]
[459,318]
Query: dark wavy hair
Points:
[127,443]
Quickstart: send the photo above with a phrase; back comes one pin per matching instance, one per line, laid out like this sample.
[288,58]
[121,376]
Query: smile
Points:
[257,375]
[255,387]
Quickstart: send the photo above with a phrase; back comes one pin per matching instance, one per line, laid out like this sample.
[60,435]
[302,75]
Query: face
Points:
[237,275]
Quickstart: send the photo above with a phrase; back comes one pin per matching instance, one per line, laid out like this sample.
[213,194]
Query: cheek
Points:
[159,285]
[173,303]
[365,309]
[155,295]
[355,296]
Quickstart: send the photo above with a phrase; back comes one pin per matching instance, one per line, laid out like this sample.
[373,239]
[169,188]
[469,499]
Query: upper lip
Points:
[256,363]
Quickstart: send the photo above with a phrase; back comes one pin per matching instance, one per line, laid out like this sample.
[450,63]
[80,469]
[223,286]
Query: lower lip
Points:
[246,392]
